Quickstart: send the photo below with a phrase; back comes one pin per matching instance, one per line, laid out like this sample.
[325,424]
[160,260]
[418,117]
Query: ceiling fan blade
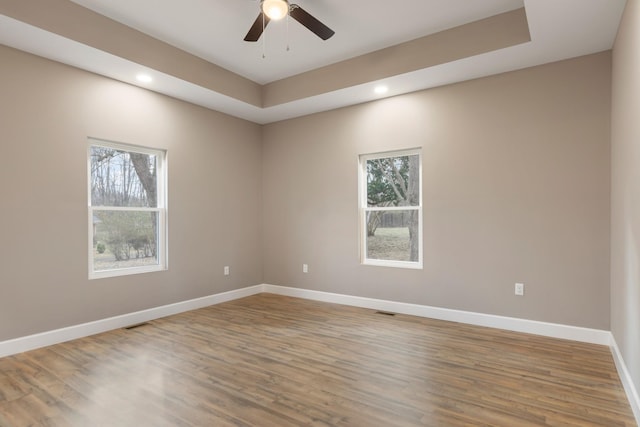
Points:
[315,26]
[256,29]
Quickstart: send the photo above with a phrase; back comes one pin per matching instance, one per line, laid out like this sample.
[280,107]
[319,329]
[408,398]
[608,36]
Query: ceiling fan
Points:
[273,10]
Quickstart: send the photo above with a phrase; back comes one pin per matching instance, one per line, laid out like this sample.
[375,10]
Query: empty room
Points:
[319,213]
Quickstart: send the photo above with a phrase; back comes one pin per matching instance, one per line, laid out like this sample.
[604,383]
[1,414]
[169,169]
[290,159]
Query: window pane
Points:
[393,181]
[393,235]
[123,178]
[124,239]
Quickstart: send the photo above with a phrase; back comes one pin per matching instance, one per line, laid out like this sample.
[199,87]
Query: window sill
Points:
[126,271]
[393,264]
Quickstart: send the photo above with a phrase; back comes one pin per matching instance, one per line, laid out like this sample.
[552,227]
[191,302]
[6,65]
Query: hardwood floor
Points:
[269,360]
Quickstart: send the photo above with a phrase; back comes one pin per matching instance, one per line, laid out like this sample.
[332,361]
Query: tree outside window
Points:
[126,209]
[391,209]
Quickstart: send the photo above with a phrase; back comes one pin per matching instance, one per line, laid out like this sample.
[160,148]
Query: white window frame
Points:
[364,209]
[161,209]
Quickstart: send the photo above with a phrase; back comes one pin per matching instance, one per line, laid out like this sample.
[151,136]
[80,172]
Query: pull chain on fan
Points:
[264,39]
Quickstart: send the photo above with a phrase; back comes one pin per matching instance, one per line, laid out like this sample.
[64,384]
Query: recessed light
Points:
[381,89]
[144,78]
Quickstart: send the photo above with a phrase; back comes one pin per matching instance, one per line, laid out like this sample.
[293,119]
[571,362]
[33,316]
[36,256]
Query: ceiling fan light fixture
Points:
[275,9]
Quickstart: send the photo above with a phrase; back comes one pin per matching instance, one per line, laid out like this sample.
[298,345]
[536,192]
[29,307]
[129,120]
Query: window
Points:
[391,209]
[127,212]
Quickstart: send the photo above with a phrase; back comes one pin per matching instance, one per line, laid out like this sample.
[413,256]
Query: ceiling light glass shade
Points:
[275,9]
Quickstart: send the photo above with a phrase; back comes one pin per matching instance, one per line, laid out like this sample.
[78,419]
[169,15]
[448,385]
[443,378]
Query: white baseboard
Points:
[57,336]
[576,333]
[43,339]
[625,377]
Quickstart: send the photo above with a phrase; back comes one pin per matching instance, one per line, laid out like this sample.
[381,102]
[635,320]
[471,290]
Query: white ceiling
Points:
[214,29]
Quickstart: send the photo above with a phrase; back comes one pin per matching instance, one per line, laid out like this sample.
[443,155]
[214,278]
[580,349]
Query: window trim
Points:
[363,208]
[161,209]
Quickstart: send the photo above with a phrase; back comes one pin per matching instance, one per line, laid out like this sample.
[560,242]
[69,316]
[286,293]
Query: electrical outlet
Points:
[305,268]
[226,270]
[520,289]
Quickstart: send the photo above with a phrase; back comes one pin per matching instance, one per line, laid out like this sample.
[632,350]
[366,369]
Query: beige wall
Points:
[516,188]
[625,190]
[516,174]
[47,110]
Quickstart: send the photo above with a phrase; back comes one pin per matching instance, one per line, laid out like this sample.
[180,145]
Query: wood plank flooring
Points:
[269,360]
